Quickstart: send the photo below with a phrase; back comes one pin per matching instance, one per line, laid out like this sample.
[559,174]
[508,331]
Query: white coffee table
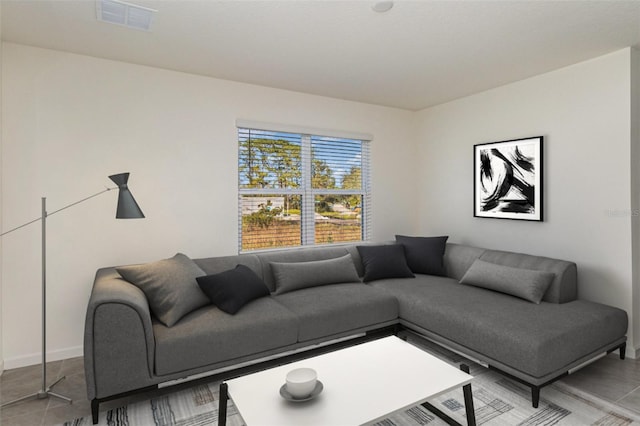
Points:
[362,384]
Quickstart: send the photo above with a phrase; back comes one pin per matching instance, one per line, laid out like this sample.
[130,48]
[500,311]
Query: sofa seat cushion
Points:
[209,336]
[338,308]
[535,339]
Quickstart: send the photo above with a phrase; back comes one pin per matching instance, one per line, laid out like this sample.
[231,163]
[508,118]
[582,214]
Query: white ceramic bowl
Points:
[301,382]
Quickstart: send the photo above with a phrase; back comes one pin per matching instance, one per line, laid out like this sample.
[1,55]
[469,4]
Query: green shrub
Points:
[263,217]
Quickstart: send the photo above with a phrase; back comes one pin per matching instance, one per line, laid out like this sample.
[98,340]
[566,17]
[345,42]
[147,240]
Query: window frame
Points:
[306,191]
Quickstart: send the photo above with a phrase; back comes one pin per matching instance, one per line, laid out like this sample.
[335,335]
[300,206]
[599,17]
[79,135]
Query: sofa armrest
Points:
[118,338]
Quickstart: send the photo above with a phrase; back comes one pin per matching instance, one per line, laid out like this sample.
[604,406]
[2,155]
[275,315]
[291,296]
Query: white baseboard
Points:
[35,359]
[1,366]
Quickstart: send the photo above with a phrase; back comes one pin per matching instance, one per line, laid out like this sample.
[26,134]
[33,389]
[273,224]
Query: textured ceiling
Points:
[419,54]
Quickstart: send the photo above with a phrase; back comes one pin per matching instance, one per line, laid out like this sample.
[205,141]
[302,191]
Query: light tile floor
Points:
[608,378]
[611,379]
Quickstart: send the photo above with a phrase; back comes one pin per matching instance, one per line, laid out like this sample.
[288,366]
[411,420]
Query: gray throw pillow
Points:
[298,275]
[170,286]
[523,283]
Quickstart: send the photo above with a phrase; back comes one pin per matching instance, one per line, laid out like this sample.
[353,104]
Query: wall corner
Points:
[635,194]
[1,206]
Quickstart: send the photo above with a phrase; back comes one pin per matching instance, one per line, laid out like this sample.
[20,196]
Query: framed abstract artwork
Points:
[507,179]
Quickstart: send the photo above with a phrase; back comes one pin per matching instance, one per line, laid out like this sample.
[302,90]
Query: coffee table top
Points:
[362,384]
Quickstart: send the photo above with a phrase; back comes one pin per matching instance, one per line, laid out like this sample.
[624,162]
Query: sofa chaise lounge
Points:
[466,306]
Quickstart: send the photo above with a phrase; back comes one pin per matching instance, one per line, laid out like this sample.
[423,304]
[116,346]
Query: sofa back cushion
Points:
[458,258]
[216,265]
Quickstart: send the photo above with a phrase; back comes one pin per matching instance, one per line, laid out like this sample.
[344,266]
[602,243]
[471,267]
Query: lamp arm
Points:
[59,210]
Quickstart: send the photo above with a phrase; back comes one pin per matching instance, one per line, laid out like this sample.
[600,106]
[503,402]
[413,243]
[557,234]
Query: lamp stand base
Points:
[42,394]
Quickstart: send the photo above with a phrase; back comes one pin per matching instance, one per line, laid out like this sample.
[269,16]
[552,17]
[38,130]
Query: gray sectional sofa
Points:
[127,348]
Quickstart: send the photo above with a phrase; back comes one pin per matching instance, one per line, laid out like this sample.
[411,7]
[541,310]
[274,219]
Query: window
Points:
[301,189]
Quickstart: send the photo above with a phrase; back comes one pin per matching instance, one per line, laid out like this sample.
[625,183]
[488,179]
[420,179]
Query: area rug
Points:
[497,401]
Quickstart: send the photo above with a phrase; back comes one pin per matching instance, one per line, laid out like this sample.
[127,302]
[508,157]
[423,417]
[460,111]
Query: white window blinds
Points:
[301,189]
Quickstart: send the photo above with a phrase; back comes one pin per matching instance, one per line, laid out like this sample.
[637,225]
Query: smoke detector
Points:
[124,14]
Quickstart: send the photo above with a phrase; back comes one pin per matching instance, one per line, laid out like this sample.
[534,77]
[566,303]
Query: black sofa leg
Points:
[623,350]
[94,410]
[535,396]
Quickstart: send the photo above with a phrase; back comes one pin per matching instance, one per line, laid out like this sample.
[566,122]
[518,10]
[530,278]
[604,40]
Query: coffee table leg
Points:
[468,405]
[222,404]
[468,399]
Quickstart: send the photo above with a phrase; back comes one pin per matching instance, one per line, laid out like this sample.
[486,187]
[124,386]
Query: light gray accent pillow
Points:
[298,275]
[170,286]
[523,283]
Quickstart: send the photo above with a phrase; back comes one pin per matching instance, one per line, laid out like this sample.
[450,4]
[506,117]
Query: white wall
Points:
[635,187]
[72,120]
[1,321]
[583,111]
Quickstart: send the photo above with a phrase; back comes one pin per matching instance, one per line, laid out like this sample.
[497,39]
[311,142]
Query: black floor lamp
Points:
[127,209]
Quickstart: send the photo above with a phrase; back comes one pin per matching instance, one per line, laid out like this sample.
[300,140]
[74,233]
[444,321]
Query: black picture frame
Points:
[508,179]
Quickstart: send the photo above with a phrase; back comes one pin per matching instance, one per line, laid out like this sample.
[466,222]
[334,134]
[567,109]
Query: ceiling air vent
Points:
[125,14]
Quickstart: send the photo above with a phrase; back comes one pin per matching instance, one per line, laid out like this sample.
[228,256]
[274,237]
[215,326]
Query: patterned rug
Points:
[497,401]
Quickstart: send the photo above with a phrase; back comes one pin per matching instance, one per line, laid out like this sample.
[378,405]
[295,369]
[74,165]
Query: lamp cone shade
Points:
[127,206]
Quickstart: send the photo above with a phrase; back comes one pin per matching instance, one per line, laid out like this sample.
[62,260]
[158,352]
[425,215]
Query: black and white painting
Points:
[508,179]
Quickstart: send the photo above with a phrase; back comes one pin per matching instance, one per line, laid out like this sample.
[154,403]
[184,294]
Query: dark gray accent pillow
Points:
[523,283]
[384,261]
[298,275]
[424,254]
[170,286]
[231,290]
